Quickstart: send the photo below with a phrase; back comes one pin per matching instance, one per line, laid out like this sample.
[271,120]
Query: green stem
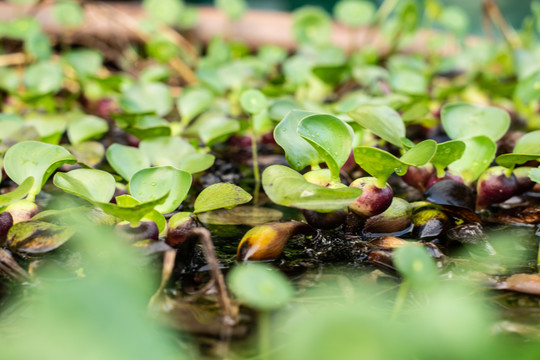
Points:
[400,299]
[264,335]
[255,160]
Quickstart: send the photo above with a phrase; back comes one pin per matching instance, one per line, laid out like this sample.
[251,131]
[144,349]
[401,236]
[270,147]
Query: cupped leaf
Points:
[193,102]
[299,152]
[479,152]
[260,286]
[35,159]
[447,153]
[196,162]
[50,127]
[130,209]
[382,120]
[147,97]
[284,186]
[17,194]
[143,125]
[253,101]
[215,127]
[84,128]
[331,138]
[420,154]
[354,13]
[219,196]
[37,237]
[511,160]
[126,160]
[528,144]
[90,184]
[461,121]
[312,25]
[149,184]
[378,163]
[129,201]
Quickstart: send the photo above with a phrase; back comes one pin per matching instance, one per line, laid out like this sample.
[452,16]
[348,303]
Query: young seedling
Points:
[254,102]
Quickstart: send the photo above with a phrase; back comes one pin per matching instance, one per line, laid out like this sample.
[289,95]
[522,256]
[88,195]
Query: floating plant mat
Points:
[225,200]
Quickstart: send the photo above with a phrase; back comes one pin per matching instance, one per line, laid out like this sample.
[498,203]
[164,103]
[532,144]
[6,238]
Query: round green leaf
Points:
[286,187]
[85,62]
[260,286]
[461,121]
[354,13]
[378,163]
[86,127]
[299,152]
[149,184]
[35,159]
[68,13]
[43,78]
[90,184]
[331,138]
[193,102]
[167,11]
[253,101]
[147,97]
[528,143]
[420,154]
[220,195]
[130,209]
[381,120]
[234,9]
[447,153]
[312,25]
[17,194]
[126,160]
[478,155]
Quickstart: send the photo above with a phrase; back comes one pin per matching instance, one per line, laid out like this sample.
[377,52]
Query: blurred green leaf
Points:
[220,195]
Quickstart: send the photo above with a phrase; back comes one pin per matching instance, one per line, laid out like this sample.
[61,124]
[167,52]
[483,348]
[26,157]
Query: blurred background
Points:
[513,10]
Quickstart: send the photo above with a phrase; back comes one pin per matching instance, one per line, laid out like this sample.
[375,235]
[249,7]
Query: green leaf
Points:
[130,209]
[17,194]
[312,25]
[86,127]
[35,159]
[299,152]
[37,45]
[331,74]
[534,175]
[234,9]
[214,127]
[175,151]
[420,154]
[193,102]
[409,82]
[43,78]
[126,160]
[220,195]
[378,163]
[260,286]
[354,13]
[528,89]
[286,187]
[528,144]
[85,62]
[9,80]
[253,101]
[68,13]
[50,127]
[447,153]
[147,97]
[166,11]
[143,126]
[331,137]
[511,160]
[416,266]
[382,120]
[149,184]
[461,121]
[281,107]
[90,184]
[36,237]
[479,152]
